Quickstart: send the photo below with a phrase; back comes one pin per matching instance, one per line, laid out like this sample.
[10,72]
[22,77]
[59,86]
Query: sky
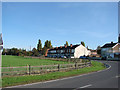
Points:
[24,23]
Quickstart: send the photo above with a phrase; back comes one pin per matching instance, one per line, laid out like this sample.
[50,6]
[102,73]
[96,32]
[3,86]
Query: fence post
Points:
[29,69]
[58,67]
[69,60]
[90,63]
[41,70]
[85,63]
[75,65]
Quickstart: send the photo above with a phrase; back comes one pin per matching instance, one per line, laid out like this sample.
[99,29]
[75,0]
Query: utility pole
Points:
[30,47]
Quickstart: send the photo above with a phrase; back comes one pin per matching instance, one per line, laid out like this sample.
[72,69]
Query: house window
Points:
[73,50]
[62,51]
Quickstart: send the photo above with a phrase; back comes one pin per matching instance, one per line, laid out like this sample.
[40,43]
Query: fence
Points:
[57,59]
[28,70]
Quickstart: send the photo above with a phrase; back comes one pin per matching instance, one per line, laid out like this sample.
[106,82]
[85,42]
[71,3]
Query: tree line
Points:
[34,52]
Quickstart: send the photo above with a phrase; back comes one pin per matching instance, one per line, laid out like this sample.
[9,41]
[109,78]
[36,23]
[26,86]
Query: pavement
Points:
[107,78]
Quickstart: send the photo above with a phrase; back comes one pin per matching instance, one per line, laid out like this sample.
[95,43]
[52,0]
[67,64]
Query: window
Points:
[62,51]
[73,50]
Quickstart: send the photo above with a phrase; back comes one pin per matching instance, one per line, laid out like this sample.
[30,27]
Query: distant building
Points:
[72,51]
[111,50]
[93,53]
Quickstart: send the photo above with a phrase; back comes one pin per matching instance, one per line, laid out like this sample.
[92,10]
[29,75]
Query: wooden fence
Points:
[57,59]
[28,70]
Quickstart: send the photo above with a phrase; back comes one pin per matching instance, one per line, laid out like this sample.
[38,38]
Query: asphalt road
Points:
[103,79]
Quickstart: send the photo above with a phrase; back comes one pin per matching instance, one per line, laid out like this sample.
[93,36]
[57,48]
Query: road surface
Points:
[103,79]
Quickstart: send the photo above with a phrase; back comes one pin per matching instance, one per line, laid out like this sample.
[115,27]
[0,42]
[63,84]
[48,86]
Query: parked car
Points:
[70,57]
[83,57]
[104,58]
[63,57]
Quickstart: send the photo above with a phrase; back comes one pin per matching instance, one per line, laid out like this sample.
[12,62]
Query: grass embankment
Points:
[10,81]
[15,61]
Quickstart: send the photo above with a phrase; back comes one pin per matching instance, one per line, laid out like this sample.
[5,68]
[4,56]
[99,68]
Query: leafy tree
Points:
[35,52]
[83,43]
[44,50]
[67,43]
[30,53]
[14,51]
[39,45]
[24,52]
[46,44]
[98,50]
[3,52]
[49,44]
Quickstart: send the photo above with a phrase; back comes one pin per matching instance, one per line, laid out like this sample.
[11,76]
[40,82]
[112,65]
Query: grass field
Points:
[10,81]
[14,61]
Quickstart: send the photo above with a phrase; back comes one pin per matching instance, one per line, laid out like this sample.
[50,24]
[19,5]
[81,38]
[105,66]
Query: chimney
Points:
[60,46]
[70,45]
[119,38]
[111,42]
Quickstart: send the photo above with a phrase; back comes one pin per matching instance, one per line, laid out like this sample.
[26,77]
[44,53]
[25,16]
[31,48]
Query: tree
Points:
[98,50]
[39,45]
[3,52]
[46,44]
[14,51]
[44,50]
[49,44]
[83,43]
[35,52]
[24,52]
[67,43]
[30,53]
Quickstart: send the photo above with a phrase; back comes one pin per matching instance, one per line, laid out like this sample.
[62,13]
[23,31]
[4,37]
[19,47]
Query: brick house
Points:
[111,50]
[72,51]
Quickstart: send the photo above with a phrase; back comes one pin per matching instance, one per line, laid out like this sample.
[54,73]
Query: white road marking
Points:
[117,76]
[59,79]
[83,87]
[86,86]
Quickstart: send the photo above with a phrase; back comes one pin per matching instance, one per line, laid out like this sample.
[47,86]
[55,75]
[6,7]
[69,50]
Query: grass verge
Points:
[11,81]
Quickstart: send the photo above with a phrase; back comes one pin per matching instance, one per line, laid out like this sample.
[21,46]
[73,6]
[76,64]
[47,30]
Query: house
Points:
[72,51]
[94,53]
[111,50]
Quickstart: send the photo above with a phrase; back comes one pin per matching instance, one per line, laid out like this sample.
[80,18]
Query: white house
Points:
[81,51]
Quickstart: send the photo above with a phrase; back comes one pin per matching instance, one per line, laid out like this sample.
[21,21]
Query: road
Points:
[103,79]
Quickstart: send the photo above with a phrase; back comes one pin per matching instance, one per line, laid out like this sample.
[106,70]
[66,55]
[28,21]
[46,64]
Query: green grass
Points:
[14,61]
[10,81]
